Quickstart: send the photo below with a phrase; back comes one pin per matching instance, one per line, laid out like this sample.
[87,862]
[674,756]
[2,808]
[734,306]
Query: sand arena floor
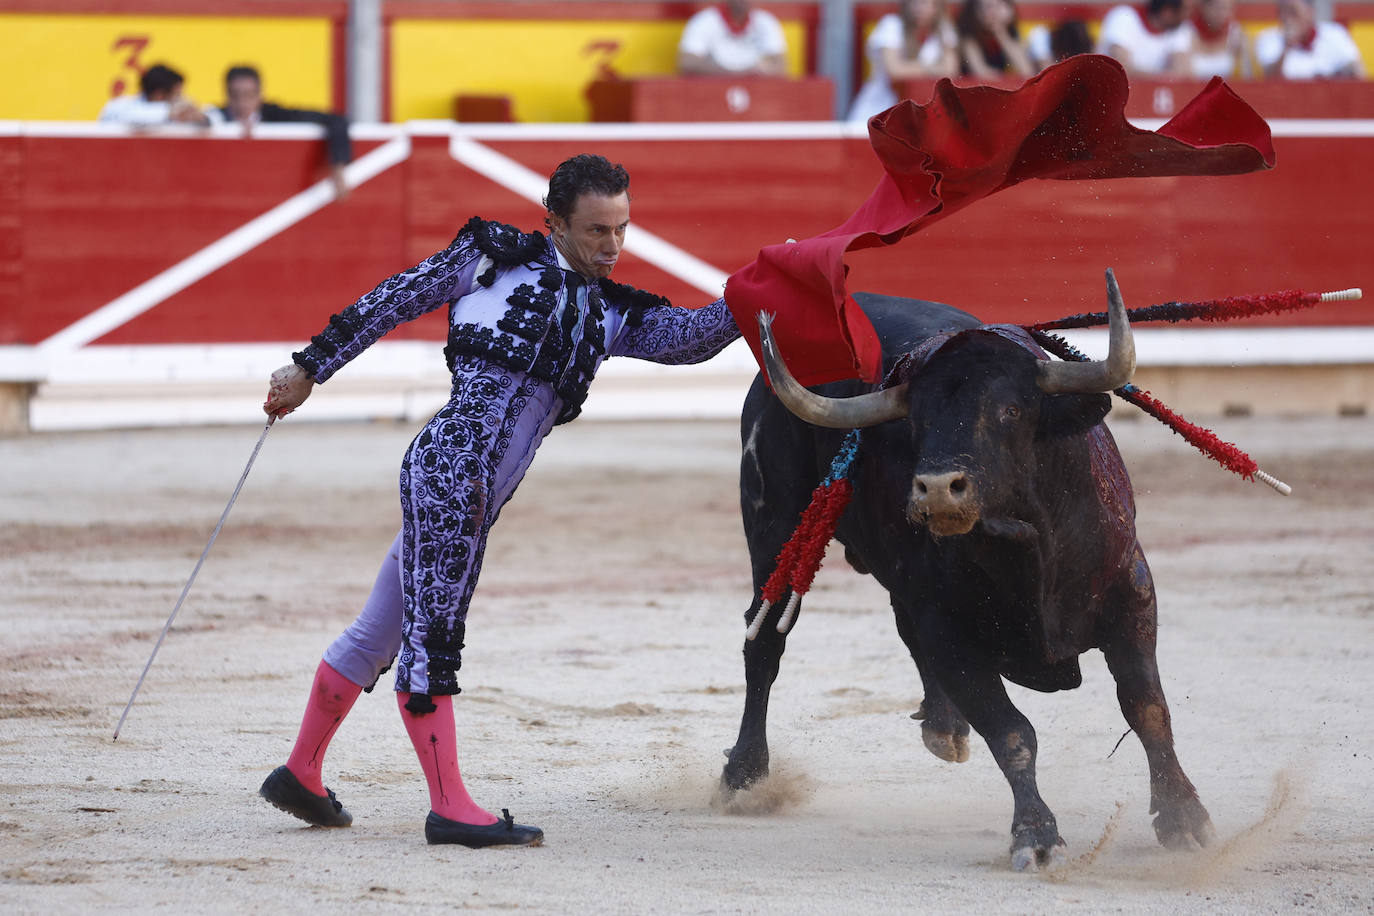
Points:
[603,678]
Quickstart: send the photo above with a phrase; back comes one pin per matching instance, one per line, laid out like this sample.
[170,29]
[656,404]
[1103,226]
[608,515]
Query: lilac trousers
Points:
[455,477]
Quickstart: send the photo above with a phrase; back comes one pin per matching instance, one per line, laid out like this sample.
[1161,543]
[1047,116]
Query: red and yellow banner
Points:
[64,67]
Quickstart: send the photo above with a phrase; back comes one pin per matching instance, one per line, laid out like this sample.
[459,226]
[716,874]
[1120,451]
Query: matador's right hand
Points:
[287,389]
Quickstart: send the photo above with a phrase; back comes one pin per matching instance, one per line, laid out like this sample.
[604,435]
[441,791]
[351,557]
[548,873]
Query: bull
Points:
[991,503]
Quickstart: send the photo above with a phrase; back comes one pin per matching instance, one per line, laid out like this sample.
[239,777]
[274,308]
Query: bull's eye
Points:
[1012,412]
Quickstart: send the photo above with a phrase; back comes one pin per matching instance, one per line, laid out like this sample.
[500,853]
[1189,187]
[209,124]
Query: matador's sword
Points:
[251,458]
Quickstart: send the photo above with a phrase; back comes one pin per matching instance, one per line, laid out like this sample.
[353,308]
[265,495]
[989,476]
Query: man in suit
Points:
[244,104]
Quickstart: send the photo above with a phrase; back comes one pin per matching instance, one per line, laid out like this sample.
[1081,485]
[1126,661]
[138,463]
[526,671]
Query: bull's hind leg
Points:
[1182,821]
[944,730]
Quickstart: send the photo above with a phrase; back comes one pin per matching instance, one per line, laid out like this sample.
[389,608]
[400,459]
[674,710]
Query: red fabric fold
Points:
[1068,122]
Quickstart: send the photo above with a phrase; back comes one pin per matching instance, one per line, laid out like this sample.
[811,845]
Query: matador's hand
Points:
[287,389]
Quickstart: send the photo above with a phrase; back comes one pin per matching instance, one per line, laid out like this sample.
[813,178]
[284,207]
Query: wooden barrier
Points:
[91,215]
[1163,98]
[712,98]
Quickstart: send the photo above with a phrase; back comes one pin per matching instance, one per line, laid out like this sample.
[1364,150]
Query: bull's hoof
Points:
[1036,844]
[949,746]
[1034,858]
[741,773]
[1184,826]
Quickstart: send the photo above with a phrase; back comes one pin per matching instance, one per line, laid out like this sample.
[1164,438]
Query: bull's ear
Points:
[1071,414]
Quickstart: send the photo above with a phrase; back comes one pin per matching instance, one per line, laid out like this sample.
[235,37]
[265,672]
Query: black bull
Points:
[1000,520]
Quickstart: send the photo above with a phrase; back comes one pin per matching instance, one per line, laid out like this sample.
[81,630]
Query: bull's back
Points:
[903,324]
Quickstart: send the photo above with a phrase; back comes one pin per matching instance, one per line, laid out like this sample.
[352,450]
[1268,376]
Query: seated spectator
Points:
[916,41]
[244,104]
[990,40]
[1051,45]
[1148,42]
[1219,46]
[1301,48]
[159,101]
[732,39]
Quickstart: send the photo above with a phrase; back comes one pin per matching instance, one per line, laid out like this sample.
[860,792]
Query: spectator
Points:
[916,41]
[731,38]
[1148,42]
[990,40]
[244,104]
[159,101]
[1300,48]
[1049,46]
[1219,46]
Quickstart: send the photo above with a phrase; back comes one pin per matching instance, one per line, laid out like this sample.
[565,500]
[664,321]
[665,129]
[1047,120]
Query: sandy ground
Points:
[603,679]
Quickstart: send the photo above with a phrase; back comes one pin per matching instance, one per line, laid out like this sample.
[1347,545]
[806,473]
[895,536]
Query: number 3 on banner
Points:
[135,44]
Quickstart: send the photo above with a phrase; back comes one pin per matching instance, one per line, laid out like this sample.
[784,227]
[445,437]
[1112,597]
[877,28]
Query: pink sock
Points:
[331,697]
[436,744]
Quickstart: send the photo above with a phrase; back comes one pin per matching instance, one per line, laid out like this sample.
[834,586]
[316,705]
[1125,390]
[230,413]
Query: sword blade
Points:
[168,625]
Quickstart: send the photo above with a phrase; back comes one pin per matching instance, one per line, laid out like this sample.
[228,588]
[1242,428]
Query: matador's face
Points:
[593,234]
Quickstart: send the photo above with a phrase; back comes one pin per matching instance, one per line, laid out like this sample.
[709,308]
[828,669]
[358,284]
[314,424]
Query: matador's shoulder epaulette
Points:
[630,300]
[505,245]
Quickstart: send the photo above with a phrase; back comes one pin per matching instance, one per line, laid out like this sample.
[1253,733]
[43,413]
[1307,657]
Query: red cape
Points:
[1067,122]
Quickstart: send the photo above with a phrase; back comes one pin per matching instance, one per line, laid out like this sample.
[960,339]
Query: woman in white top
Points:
[990,40]
[1301,48]
[916,41]
[1219,47]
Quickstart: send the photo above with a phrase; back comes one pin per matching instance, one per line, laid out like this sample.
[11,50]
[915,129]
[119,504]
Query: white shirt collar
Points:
[562,261]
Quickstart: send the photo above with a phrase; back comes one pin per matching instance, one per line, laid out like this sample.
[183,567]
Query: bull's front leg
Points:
[1182,821]
[944,731]
[747,761]
[976,688]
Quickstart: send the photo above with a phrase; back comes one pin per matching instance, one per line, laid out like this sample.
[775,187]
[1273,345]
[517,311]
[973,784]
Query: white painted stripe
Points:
[220,252]
[1335,128]
[416,359]
[1352,128]
[695,130]
[1289,346]
[532,186]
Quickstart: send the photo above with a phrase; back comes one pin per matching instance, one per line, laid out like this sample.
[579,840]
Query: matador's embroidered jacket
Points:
[511,304]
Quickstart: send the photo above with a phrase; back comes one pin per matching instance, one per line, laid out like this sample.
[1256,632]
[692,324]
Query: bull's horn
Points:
[1096,376]
[833,413]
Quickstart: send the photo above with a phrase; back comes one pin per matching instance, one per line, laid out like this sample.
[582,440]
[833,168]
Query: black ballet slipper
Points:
[506,832]
[285,791]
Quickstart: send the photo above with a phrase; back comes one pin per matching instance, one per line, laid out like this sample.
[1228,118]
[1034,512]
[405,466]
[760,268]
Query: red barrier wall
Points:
[85,219]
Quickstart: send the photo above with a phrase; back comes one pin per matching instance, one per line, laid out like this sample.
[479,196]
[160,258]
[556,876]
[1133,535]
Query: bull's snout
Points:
[945,503]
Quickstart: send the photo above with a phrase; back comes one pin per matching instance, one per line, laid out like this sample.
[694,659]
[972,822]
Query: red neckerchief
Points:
[1309,39]
[1209,34]
[736,26]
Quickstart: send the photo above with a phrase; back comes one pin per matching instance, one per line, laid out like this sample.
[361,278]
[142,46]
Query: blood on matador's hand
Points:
[287,389]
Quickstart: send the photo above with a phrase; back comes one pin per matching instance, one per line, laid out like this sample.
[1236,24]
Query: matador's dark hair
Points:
[583,174]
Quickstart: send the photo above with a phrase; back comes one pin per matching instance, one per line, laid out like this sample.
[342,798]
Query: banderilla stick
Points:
[251,458]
